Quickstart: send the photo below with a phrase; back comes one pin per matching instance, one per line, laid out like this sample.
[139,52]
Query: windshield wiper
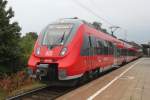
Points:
[57,43]
[61,39]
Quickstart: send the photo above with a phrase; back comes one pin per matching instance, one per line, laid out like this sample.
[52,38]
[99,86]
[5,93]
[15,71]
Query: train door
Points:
[100,54]
[91,52]
[116,56]
[87,51]
[105,57]
[110,53]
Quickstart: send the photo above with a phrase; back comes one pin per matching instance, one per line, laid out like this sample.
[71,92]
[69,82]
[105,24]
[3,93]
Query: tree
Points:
[26,44]
[9,38]
[98,26]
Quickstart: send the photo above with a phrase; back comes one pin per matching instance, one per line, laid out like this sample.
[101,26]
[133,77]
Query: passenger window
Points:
[101,42]
[97,47]
[93,46]
[105,47]
[89,45]
[111,48]
[100,46]
[118,52]
[85,46]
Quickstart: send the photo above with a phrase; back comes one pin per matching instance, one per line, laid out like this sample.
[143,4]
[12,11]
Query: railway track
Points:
[50,92]
[44,93]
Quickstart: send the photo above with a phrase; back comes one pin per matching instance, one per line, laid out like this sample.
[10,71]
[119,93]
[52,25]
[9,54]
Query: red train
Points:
[73,49]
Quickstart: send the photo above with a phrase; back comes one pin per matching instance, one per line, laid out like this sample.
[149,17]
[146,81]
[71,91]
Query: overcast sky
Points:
[133,16]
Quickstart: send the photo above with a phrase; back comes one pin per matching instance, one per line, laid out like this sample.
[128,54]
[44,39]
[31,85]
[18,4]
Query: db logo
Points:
[49,53]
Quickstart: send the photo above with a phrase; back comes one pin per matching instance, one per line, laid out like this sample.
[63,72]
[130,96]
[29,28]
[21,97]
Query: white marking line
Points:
[111,82]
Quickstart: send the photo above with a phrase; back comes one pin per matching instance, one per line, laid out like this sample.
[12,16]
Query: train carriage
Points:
[71,48]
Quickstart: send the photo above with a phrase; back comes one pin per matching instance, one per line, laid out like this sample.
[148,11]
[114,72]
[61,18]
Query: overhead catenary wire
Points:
[124,30]
[91,11]
[98,16]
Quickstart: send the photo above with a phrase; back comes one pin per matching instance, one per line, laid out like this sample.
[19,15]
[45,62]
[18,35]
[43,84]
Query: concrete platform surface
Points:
[130,82]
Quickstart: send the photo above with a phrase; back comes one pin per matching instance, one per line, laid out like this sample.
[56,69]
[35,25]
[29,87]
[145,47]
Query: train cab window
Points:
[55,34]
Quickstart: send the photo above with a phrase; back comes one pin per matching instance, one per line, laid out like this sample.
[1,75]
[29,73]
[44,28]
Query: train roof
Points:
[70,20]
[117,42]
[78,22]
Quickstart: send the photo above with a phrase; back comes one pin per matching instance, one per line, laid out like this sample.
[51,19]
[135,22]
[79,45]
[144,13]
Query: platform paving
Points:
[130,82]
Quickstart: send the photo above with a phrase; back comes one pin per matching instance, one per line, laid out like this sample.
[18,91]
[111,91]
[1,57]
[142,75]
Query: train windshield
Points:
[56,34]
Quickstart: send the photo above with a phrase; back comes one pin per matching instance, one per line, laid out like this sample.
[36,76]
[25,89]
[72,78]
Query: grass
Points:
[22,89]
[16,84]
[26,88]
[2,94]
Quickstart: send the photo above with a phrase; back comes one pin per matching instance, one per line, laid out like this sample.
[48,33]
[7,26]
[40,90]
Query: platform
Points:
[130,82]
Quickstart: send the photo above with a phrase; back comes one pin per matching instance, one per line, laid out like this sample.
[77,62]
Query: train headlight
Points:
[37,51]
[63,51]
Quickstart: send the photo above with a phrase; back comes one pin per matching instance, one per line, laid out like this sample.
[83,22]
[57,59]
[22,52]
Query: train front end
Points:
[51,57]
